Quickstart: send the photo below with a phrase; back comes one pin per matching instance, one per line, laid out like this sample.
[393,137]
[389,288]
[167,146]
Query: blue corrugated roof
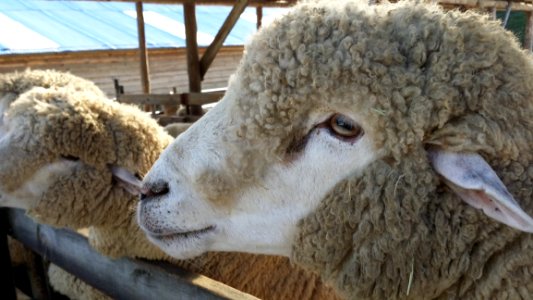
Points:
[28,26]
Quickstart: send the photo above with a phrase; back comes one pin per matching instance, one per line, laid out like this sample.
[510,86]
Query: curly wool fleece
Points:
[421,77]
[49,124]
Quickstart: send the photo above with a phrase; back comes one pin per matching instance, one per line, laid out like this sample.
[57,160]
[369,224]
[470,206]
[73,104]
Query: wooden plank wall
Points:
[168,67]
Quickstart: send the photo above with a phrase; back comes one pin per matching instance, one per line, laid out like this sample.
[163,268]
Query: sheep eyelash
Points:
[70,157]
[298,144]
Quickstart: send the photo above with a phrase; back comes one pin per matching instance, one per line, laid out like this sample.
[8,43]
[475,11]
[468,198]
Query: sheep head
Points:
[14,84]
[345,117]
[70,154]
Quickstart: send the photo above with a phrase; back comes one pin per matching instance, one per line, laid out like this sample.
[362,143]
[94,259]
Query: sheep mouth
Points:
[182,235]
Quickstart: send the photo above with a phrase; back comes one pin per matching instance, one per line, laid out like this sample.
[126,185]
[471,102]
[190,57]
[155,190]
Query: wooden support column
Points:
[259,13]
[193,63]
[143,54]
[528,38]
[493,13]
[7,284]
[212,50]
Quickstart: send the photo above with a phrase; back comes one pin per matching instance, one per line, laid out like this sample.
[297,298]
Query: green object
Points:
[516,23]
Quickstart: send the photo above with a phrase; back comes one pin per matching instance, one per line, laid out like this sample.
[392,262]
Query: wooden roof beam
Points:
[211,51]
[265,3]
[498,4]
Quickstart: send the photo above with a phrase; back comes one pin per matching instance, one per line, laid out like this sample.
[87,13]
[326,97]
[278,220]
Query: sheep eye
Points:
[344,127]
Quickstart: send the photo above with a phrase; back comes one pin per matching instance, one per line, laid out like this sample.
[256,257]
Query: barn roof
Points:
[32,26]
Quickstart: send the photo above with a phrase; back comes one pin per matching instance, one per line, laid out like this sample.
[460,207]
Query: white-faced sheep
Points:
[83,149]
[359,140]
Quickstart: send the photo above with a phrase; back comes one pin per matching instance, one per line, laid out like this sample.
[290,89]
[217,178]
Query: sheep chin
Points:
[185,245]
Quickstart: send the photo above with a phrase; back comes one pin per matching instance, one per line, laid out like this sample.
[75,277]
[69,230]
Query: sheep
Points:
[176,129]
[86,153]
[388,148]
[71,286]
[74,137]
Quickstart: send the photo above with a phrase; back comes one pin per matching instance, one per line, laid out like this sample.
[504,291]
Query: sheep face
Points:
[215,188]
[327,94]
[23,185]
[32,167]
[63,155]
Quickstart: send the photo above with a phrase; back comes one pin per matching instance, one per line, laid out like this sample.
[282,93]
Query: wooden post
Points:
[145,76]
[169,110]
[7,285]
[494,12]
[528,38]
[193,63]
[211,51]
[259,13]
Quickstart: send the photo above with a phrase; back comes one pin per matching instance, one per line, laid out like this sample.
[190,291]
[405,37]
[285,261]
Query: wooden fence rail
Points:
[165,99]
[122,278]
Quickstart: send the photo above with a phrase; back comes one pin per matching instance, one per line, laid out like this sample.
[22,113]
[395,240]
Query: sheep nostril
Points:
[154,190]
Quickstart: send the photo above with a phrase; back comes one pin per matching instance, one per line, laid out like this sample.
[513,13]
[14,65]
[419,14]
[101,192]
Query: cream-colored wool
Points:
[71,286]
[58,122]
[19,254]
[419,76]
[176,129]
[49,124]
[14,84]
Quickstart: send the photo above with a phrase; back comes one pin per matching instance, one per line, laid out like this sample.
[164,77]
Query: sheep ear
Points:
[471,178]
[126,180]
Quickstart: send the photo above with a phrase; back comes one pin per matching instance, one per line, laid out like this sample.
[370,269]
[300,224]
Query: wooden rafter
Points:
[222,34]
[265,3]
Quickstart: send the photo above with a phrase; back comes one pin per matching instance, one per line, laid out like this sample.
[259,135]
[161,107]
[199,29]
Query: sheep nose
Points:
[152,190]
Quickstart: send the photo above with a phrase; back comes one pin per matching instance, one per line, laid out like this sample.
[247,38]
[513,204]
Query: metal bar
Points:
[121,278]
[7,284]
[507,13]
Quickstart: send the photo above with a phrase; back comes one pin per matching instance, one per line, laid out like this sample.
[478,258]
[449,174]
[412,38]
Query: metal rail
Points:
[122,278]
